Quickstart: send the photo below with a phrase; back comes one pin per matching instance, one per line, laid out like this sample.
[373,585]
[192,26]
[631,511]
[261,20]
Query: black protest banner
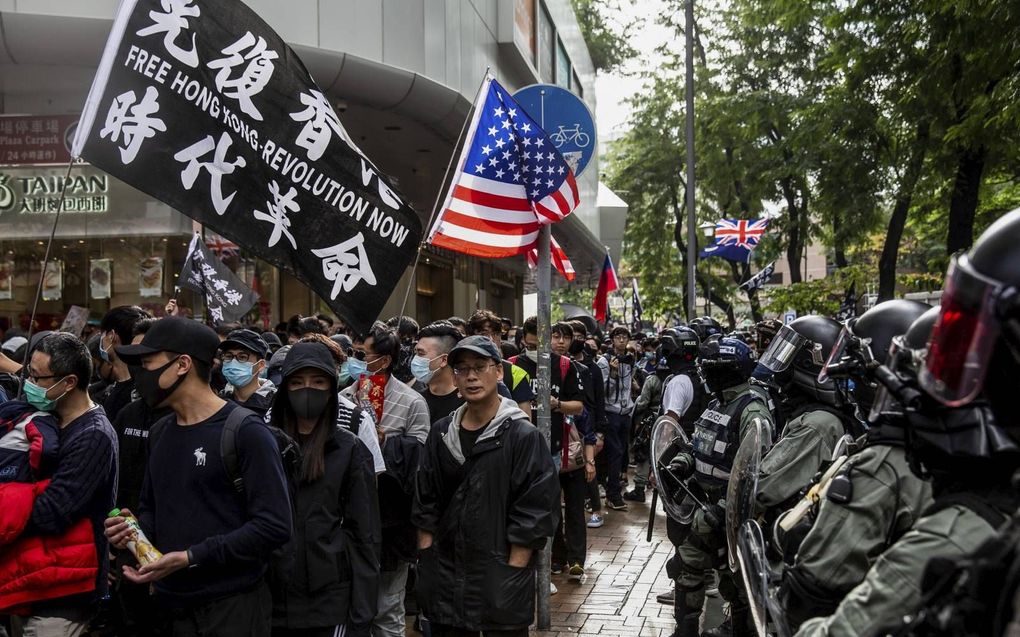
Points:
[760,279]
[226,296]
[202,105]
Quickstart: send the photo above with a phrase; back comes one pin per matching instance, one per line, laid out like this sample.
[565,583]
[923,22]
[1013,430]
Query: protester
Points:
[484,504]
[83,485]
[333,582]
[244,358]
[486,323]
[273,341]
[116,328]
[216,530]
[618,376]
[430,367]
[403,425]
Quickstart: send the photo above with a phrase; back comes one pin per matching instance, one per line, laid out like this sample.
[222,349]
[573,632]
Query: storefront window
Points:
[562,66]
[546,45]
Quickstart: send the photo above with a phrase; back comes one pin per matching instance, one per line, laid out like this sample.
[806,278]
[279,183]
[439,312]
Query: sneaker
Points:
[576,572]
[595,521]
[617,504]
[557,569]
[552,589]
[665,598]
[635,495]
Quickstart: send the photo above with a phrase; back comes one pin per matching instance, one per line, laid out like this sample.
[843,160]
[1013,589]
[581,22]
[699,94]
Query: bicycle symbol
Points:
[575,135]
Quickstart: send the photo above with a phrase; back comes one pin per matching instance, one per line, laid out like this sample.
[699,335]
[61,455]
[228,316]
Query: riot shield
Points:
[743,486]
[668,440]
[759,582]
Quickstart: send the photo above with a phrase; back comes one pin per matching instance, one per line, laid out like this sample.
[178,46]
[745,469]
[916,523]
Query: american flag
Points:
[736,238]
[558,258]
[510,180]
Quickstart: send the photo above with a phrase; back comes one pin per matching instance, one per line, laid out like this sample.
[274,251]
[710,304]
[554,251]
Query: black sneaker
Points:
[557,569]
[635,495]
[617,504]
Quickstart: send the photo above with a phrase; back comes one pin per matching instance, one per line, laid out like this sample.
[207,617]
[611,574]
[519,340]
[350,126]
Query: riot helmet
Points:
[706,327]
[678,348]
[864,343]
[797,355]
[904,359]
[975,345]
[764,332]
[726,362]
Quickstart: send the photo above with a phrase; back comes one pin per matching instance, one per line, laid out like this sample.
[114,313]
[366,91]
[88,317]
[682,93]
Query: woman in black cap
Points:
[333,560]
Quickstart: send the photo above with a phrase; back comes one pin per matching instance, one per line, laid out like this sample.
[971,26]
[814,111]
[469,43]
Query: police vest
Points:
[717,437]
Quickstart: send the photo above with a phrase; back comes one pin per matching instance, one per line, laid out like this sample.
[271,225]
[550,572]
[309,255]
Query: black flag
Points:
[848,308]
[635,308]
[226,296]
[202,105]
[759,279]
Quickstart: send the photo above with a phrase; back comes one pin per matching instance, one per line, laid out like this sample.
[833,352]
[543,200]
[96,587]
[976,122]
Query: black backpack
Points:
[290,451]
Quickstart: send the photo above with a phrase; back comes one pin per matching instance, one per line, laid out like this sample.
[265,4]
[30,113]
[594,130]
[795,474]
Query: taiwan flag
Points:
[607,283]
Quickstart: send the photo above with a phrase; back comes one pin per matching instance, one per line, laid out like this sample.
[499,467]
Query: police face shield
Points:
[668,441]
[783,349]
[964,336]
[902,361]
[742,488]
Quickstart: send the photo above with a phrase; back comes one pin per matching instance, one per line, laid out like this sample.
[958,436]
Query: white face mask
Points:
[532,354]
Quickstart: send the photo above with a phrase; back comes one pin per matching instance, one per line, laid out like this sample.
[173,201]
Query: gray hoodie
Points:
[508,410]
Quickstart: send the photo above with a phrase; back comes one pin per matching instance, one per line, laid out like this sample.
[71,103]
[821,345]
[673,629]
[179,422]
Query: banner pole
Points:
[42,274]
[439,195]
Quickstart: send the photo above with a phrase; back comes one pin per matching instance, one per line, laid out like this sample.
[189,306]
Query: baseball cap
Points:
[272,340]
[480,345]
[246,339]
[177,335]
[12,344]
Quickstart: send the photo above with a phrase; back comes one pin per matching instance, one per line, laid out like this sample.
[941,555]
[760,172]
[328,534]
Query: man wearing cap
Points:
[273,341]
[216,538]
[243,355]
[484,503]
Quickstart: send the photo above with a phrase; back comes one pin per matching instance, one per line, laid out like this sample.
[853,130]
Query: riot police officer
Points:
[704,469]
[874,498]
[966,442]
[820,412]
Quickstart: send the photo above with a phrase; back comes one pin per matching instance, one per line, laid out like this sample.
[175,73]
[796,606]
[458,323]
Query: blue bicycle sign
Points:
[567,120]
[575,135]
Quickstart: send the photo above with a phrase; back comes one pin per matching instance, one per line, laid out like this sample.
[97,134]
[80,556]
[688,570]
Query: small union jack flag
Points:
[736,238]
[221,247]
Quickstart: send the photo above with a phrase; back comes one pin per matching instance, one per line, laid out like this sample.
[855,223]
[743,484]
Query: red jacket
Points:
[34,568]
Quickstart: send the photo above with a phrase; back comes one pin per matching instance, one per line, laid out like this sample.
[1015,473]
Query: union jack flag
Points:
[736,238]
[221,247]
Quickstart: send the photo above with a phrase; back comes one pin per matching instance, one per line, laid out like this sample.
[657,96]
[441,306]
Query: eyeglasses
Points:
[465,370]
[359,354]
[243,357]
[32,377]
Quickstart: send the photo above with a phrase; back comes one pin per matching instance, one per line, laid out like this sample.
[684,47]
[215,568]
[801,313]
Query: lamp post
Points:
[708,229]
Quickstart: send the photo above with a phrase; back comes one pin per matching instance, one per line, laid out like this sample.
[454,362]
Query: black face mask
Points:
[309,403]
[147,384]
[576,347]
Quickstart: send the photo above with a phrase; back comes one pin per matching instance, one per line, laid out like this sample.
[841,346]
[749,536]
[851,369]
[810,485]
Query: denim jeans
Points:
[616,444]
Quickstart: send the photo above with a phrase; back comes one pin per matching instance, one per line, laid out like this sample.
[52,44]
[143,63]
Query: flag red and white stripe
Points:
[558,258]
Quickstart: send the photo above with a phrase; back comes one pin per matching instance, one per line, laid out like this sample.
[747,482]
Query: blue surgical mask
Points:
[354,368]
[104,354]
[264,374]
[420,369]
[36,396]
[237,373]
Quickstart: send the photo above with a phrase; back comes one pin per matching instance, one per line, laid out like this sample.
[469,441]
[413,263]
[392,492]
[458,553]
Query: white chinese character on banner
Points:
[218,167]
[233,297]
[170,24]
[216,313]
[132,121]
[320,119]
[343,267]
[220,285]
[277,215]
[253,78]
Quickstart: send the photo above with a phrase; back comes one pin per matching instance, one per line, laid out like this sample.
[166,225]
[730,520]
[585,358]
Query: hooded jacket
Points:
[504,493]
[332,572]
[259,402]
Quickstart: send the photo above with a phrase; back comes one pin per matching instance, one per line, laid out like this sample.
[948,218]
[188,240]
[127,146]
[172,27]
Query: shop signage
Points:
[36,139]
[40,193]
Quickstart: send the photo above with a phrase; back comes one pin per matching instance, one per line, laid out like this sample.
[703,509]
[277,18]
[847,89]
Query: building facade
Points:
[402,75]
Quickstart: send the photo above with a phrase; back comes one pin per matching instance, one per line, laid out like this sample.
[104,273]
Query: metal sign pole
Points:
[544,284]
[692,239]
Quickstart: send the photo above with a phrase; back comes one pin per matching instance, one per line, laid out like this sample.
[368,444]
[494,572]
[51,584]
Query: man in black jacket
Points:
[216,540]
[486,492]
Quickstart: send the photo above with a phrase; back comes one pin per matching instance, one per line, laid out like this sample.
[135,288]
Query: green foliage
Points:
[608,43]
[818,296]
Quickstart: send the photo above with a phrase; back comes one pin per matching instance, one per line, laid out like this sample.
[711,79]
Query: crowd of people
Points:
[310,481]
